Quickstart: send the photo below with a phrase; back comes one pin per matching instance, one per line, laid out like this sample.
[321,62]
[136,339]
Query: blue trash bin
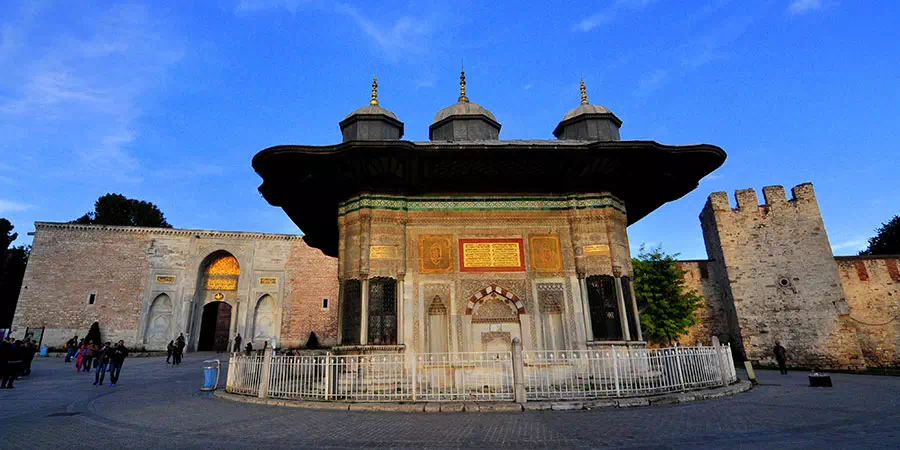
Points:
[210,374]
[43,351]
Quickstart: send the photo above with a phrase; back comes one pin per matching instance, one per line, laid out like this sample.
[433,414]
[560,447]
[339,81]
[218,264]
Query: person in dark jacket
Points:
[119,353]
[170,351]
[237,344]
[781,357]
[249,348]
[30,350]
[102,357]
[71,346]
[179,348]
[7,376]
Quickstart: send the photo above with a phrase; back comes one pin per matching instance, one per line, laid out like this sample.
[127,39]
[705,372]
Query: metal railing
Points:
[482,376]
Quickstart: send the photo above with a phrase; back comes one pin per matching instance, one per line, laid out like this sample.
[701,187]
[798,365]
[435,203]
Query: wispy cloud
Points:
[81,93]
[406,35]
[609,14]
[650,82]
[854,244]
[250,6]
[7,206]
[804,6]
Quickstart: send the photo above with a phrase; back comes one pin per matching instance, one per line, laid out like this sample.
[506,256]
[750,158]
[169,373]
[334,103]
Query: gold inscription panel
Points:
[491,255]
[381,252]
[221,284]
[165,279]
[596,249]
[268,280]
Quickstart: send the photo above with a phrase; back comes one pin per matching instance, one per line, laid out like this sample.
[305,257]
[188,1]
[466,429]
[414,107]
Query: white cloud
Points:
[249,6]
[7,206]
[804,6]
[651,81]
[407,35]
[593,21]
[75,98]
[854,245]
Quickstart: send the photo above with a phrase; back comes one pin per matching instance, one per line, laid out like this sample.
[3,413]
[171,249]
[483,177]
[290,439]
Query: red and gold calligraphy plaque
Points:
[434,254]
[545,254]
[491,255]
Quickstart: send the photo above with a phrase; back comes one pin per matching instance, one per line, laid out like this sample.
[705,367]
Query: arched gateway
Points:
[217,292]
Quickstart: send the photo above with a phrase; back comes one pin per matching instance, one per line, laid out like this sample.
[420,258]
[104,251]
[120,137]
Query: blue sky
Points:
[170,103]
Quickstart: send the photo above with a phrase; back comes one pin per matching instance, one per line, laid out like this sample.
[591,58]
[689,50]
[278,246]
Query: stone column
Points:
[364,321]
[518,367]
[585,307]
[634,307]
[398,305]
[620,297]
[340,311]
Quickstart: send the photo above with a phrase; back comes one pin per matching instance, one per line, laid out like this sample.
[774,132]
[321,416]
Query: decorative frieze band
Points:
[481,203]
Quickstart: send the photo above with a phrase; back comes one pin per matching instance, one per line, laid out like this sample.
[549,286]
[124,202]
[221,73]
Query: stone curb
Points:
[431,407]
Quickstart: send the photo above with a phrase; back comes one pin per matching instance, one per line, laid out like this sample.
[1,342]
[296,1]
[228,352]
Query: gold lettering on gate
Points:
[268,280]
[165,279]
[381,252]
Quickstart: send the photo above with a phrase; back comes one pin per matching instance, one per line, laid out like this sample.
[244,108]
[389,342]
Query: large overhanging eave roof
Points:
[308,182]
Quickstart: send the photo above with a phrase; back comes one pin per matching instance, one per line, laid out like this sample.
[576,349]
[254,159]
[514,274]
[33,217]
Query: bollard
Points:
[210,374]
[266,371]
[518,367]
[750,373]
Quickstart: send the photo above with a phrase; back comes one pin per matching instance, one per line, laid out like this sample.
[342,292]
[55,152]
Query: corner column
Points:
[364,320]
[588,329]
[634,307]
[620,298]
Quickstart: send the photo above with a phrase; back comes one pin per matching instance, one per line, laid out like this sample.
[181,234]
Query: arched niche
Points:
[159,323]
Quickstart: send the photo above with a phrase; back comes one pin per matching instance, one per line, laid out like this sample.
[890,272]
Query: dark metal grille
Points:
[382,311]
[629,308]
[351,310]
[604,308]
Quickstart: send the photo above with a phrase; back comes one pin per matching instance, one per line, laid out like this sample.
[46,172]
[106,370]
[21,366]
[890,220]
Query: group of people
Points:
[103,357]
[175,350]
[15,359]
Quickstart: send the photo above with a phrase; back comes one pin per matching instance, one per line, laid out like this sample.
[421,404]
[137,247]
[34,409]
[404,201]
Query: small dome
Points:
[463,109]
[372,110]
[586,109]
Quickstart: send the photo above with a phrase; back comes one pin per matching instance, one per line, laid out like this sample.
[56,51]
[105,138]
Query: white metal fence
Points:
[482,376]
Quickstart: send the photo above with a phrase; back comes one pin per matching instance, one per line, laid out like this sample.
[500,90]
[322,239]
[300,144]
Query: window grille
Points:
[351,308]
[382,311]
[604,308]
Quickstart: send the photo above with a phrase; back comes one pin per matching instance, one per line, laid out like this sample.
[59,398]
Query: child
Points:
[79,358]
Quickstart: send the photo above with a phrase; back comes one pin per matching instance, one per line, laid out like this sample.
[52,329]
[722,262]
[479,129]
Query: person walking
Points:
[170,350]
[179,348]
[102,357]
[30,350]
[119,353]
[79,357]
[71,346]
[88,359]
[781,357]
[237,344]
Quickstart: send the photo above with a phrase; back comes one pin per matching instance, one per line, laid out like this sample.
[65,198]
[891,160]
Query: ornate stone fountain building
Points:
[466,242]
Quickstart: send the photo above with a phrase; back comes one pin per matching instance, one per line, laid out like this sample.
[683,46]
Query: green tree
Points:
[886,240]
[12,270]
[116,209]
[668,307]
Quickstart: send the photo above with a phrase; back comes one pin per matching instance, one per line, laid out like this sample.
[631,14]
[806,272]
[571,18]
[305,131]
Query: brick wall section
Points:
[311,276]
[778,270]
[874,307]
[65,267]
[121,264]
[712,315]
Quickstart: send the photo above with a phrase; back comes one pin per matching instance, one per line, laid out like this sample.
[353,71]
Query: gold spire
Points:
[462,85]
[374,101]
[583,93]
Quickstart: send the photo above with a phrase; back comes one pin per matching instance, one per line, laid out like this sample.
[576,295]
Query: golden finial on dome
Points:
[583,92]
[374,101]
[462,85]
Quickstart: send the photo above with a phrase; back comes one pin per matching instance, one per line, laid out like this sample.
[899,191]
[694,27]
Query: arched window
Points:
[604,308]
[382,311]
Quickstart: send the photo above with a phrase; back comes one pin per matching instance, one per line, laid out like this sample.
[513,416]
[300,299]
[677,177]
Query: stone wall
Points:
[776,265]
[128,269]
[872,287]
[712,319]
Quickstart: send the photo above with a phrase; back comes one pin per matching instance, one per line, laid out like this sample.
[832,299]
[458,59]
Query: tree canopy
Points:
[886,240]
[116,209]
[668,307]
[12,269]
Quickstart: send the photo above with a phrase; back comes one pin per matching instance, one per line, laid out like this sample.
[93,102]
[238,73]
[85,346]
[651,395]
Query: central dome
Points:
[464,120]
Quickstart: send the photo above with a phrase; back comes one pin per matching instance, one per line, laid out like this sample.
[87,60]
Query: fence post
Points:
[328,382]
[415,374]
[265,372]
[615,359]
[518,367]
[678,365]
[230,378]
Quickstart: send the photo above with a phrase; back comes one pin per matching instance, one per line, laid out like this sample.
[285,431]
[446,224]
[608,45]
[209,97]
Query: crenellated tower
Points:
[778,277]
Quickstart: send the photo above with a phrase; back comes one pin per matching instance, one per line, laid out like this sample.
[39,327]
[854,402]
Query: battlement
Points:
[773,196]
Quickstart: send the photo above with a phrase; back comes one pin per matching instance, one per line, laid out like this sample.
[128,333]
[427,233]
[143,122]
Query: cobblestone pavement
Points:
[156,405]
